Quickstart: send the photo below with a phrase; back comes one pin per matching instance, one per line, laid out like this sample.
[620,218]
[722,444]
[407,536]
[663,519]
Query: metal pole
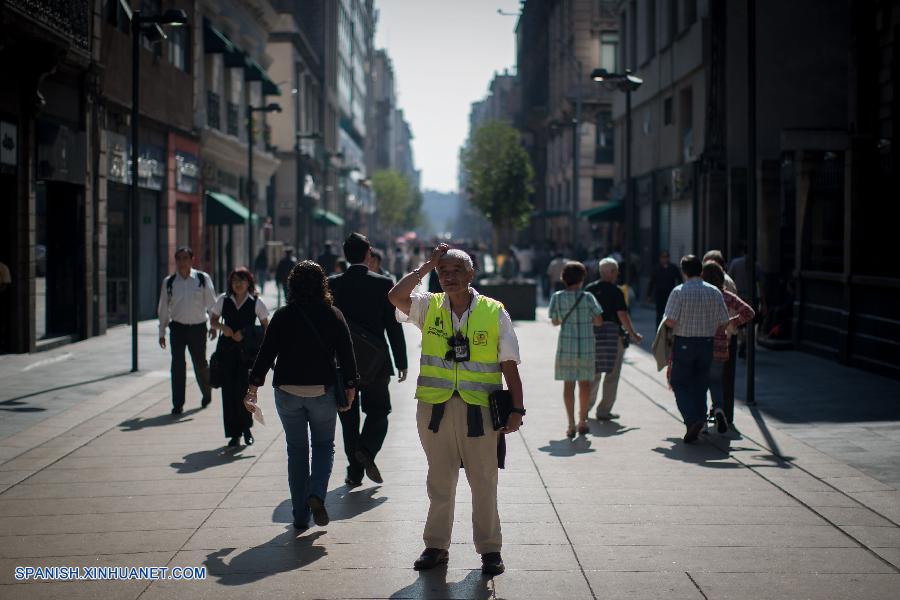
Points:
[750,258]
[576,159]
[629,195]
[250,186]
[133,216]
[300,197]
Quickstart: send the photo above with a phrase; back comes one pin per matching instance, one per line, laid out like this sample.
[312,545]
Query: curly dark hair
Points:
[307,284]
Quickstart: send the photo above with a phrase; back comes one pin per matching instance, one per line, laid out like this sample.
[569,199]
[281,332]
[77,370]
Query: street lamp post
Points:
[251,189]
[627,83]
[302,207]
[140,24]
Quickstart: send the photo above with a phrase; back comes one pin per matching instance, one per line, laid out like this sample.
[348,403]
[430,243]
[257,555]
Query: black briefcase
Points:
[500,404]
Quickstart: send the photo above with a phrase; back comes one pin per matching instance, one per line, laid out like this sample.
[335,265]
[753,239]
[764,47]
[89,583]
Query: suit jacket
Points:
[362,296]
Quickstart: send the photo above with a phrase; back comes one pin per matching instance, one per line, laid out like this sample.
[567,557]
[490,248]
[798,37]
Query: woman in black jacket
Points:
[304,337]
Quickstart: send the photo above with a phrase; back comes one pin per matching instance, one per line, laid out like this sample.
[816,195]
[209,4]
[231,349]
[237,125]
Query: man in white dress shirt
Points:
[184,301]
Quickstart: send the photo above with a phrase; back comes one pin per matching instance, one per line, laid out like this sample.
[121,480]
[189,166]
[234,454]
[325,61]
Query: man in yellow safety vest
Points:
[468,348]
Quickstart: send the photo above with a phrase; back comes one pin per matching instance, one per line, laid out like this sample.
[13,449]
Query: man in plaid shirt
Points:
[694,312]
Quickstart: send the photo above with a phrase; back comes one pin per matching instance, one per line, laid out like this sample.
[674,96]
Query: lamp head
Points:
[600,75]
[273,107]
[174,17]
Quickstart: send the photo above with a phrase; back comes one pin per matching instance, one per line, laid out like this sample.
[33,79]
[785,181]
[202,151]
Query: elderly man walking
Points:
[468,346]
[694,312]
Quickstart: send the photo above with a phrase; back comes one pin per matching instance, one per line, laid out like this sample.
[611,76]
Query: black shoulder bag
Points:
[340,395]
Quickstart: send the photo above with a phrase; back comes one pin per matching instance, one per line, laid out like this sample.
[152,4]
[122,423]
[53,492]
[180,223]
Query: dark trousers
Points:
[728,380]
[192,337]
[660,309]
[691,359]
[236,419]
[375,401]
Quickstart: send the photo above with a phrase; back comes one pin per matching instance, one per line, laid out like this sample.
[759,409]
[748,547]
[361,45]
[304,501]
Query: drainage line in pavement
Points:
[756,472]
[697,585]
[773,449]
[7,401]
[558,518]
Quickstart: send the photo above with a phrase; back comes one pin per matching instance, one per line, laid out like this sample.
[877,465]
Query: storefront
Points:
[184,206]
[151,182]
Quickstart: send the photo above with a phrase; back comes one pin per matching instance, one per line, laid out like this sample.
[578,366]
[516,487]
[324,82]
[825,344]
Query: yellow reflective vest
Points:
[474,379]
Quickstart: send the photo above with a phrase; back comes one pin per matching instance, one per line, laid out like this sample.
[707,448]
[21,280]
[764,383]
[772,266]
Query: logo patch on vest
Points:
[437,328]
[480,338]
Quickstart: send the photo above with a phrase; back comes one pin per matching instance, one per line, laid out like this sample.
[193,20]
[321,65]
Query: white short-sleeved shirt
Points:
[262,313]
[509,343]
[189,302]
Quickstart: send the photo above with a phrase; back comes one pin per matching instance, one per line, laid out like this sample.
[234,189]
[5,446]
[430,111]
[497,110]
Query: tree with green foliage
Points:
[394,199]
[500,176]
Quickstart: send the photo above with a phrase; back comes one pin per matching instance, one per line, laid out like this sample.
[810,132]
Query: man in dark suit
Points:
[362,296]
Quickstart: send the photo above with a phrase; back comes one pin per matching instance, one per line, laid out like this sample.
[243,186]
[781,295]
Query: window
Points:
[602,188]
[626,39]
[180,48]
[115,15]
[603,147]
[686,114]
[651,28]
[148,8]
[667,111]
[609,46]
[670,27]
[690,13]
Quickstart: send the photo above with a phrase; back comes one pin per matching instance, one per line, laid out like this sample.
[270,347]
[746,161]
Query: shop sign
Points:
[216,178]
[8,144]
[151,163]
[187,172]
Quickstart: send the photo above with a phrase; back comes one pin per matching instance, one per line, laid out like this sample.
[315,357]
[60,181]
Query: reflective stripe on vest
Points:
[474,379]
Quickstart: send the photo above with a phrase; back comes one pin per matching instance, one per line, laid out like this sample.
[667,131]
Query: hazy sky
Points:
[445,53]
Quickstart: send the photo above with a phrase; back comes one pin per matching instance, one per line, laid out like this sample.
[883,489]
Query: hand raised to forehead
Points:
[439,251]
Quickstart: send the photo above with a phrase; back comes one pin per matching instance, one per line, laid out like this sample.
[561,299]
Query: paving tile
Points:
[97,523]
[875,537]
[104,505]
[172,485]
[729,559]
[767,536]
[643,586]
[72,544]
[739,586]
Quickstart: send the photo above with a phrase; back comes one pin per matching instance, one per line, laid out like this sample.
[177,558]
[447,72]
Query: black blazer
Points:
[362,296]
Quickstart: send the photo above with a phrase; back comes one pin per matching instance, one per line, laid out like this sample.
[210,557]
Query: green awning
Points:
[222,209]
[611,211]
[327,217]
[216,42]
[253,71]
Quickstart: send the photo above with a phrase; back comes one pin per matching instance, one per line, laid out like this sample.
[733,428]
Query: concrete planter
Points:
[519,296]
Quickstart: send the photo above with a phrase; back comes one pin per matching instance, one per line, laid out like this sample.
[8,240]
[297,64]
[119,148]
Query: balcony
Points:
[68,18]
[213,111]
[231,119]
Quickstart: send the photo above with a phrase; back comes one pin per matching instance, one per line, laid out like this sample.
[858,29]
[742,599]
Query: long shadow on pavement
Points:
[138,423]
[699,453]
[205,459]
[433,584]
[285,552]
[608,428]
[344,504]
[566,447]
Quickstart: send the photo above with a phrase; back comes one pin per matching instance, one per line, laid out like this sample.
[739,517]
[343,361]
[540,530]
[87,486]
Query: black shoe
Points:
[248,438]
[431,558]
[317,506]
[721,422]
[607,417]
[234,441]
[492,563]
[352,483]
[177,410]
[301,526]
[693,431]
[205,402]
[369,465]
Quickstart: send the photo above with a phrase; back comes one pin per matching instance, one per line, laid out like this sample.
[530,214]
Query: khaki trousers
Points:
[610,384]
[444,450]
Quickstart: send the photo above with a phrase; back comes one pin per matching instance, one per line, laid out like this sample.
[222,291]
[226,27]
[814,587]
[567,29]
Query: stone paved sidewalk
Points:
[626,512]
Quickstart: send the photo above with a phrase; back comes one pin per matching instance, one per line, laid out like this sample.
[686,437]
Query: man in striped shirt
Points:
[694,312]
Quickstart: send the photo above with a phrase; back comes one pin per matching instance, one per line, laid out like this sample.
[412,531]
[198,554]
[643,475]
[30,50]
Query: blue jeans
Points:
[306,419]
[716,384]
[691,359]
